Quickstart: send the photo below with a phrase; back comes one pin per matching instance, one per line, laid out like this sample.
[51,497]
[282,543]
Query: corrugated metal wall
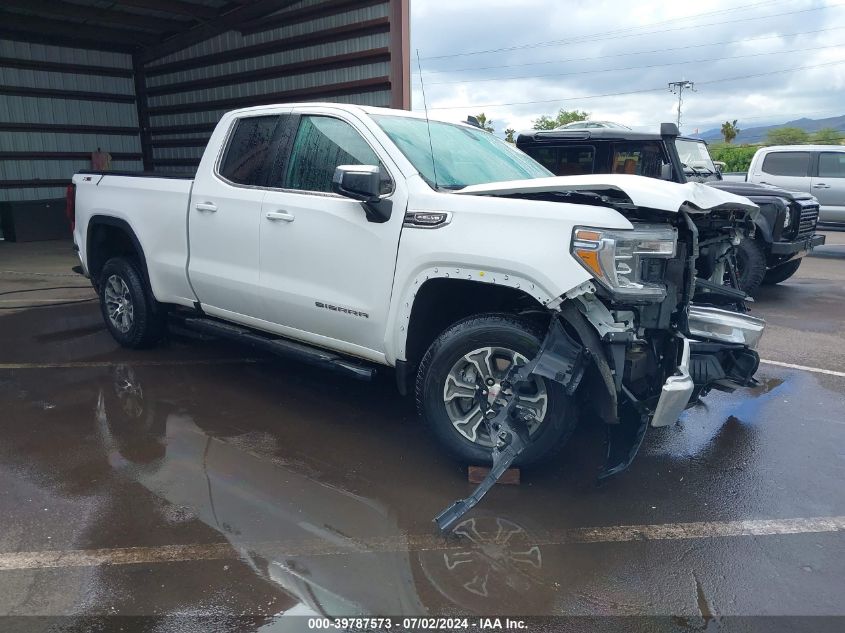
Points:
[311,50]
[57,105]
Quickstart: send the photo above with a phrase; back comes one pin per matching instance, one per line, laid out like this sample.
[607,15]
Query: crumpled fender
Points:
[602,379]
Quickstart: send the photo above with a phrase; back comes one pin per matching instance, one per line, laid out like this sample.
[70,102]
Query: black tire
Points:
[751,264]
[498,331]
[146,326]
[783,272]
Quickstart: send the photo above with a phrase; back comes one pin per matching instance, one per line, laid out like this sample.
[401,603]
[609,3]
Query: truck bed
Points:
[155,207]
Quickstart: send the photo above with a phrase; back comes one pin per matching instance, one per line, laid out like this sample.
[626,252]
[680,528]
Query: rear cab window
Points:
[787,163]
[832,165]
[247,157]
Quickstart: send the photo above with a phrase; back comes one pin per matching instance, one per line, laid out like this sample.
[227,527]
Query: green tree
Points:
[735,157]
[484,123]
[509,135]
[730,130]
[787,136]
[563,117]
[829,136]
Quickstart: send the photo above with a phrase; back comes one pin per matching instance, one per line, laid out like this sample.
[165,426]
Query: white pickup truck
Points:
[358,237]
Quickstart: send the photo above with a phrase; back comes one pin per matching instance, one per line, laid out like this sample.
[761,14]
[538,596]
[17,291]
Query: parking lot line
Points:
[134,363]
[817,370]
[218,551]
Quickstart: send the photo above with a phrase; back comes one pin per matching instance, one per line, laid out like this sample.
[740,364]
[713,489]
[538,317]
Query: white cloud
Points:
[625,34]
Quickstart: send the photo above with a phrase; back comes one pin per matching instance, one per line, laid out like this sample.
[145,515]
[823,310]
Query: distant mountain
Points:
[758,134]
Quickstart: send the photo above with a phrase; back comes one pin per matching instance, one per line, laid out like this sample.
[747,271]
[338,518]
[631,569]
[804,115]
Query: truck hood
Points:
[750,189]
[638,190]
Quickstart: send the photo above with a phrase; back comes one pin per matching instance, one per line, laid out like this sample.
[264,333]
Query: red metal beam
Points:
[61,67]
[64,156]
[66,94]
[69,128]
[400,55]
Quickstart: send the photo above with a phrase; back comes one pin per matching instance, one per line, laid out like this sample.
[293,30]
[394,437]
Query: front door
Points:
[327,271]
[829,186]
[224,220]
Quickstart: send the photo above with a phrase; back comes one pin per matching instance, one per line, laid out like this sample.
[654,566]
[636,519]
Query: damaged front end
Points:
[644,350]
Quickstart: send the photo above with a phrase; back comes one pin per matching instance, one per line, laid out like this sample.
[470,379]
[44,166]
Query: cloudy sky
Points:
[495,56]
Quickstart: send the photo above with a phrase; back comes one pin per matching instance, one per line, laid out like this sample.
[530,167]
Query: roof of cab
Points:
[347,107]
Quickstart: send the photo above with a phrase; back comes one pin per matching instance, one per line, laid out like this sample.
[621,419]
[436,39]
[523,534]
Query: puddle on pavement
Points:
[326,487]
[243,487]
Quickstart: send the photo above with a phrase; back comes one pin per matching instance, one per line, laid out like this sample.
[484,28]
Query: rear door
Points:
[224,219]
[828,185]
[789,169]
[326,271]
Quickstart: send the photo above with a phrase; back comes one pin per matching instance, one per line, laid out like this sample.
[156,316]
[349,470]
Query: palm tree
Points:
[730,130]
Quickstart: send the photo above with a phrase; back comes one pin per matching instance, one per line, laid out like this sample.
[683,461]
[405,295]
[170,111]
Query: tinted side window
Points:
[321,145]
[787,163]
[565,161]
[832,165]
[640,159]
[246,159]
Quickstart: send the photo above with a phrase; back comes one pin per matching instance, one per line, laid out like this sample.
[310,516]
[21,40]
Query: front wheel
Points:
[782,272]
[750,264]
[474,355]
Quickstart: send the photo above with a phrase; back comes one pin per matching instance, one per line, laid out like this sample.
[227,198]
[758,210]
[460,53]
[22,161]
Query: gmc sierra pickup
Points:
[511,302]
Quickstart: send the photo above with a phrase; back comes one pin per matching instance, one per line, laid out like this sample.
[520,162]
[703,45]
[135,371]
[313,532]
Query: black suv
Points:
[785,228]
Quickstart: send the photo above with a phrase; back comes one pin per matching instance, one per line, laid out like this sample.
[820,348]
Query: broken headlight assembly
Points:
[629,263]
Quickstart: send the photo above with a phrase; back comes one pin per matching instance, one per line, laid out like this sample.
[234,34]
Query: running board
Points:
[282,347]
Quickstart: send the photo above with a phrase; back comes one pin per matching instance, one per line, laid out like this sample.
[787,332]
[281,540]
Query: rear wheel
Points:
[750,264]
[475,355]
[782,272]
[131,314]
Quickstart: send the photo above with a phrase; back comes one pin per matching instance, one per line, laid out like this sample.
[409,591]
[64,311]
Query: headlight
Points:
[628,262]
[787,216]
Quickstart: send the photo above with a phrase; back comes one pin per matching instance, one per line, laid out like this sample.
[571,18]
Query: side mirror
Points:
[363,183]
[666,171]
[720,166]
[359,182]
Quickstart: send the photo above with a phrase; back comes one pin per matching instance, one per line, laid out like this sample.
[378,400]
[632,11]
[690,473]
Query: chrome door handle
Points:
[821,185]
[206,206]
[284,216]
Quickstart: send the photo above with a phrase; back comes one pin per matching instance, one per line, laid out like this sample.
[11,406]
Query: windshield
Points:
[695,157]
[463,155]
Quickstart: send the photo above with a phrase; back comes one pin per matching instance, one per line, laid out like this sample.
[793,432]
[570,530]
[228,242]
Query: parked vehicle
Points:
[815,169]
[785,227]
[506,299]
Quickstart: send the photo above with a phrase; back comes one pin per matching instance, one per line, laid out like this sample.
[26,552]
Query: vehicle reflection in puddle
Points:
[332,550]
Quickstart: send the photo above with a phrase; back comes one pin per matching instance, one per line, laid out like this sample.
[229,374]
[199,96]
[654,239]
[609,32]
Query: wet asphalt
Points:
[202,480]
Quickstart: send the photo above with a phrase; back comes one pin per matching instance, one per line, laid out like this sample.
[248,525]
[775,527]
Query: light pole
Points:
[678,87]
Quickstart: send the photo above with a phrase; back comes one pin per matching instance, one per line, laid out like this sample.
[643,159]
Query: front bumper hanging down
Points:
[560,359]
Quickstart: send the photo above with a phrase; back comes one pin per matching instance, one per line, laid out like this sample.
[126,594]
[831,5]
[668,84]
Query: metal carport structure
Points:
[146,80]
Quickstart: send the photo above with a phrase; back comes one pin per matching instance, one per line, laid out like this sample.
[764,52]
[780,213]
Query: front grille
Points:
[809,218]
